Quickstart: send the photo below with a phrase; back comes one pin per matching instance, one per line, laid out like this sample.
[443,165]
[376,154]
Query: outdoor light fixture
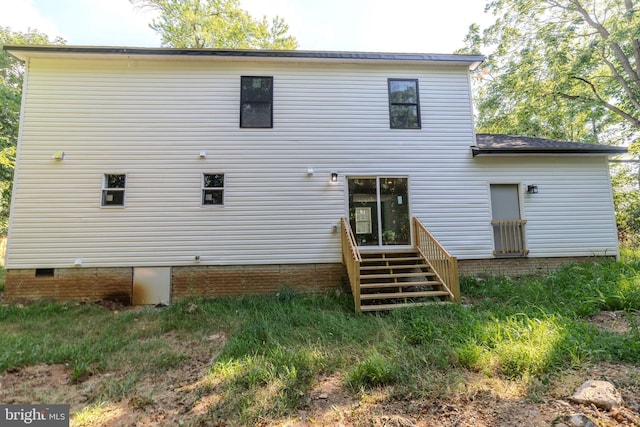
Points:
[334,176]
[203,154]
[532,189]
[309,171]
[58,155]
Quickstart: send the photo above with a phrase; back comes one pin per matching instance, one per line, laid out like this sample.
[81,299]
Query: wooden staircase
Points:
[388,279]
[394,279]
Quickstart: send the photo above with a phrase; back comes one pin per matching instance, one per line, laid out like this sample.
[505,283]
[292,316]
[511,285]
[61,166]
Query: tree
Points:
[626,197]
[11,74]
[563,69]
[215,24]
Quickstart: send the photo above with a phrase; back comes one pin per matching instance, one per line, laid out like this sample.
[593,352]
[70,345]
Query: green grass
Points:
[277,347]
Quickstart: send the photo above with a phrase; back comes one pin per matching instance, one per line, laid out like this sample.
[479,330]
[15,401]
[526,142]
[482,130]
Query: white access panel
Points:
[151,285]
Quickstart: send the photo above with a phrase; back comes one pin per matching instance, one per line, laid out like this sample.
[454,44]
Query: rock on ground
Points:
[603,394]
[575,420]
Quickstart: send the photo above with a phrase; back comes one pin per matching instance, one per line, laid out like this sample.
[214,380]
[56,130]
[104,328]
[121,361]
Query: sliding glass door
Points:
[379,210]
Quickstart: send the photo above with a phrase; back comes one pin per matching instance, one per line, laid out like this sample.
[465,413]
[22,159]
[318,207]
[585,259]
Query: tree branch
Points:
[610,107]
[635,42]
[625,86]
[619,53]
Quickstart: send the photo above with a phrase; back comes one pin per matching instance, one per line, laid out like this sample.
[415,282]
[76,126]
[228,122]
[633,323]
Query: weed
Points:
[91,414]
[140,402]
[81,370]
[375,370]
[116,388]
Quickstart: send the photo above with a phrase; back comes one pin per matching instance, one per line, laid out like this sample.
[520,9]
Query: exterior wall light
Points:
[334,176]
[532,189]
[58,155]
[203,154]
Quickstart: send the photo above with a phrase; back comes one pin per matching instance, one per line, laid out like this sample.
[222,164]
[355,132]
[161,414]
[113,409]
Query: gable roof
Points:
[39,51]
[487,144]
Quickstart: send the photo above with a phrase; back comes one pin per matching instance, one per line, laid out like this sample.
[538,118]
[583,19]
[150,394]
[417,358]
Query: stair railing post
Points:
[356,286]
[453,279]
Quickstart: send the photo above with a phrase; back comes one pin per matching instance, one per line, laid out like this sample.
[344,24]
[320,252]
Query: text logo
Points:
[34,415]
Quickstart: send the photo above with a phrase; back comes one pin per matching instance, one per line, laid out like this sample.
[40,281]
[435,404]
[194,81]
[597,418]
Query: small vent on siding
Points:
[44,272]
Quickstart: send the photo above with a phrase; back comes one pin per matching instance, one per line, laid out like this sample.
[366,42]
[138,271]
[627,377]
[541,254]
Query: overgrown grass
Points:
[278,347]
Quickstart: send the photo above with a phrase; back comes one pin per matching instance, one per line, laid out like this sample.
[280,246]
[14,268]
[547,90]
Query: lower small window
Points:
[113,188]
[44,272]
[213,189]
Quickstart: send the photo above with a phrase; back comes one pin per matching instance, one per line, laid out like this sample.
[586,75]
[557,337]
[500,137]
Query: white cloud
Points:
[22,16]
[435,26]
[430,26]
[114,22]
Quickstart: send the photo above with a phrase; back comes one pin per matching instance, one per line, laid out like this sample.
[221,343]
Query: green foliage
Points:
[626,197]
[11,72]
[560,69]
[277,348]
[575,291]
[215,24]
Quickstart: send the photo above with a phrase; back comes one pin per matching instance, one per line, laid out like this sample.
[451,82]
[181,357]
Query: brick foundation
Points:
[518,266]
[71,284]
[217,281]
[116,284]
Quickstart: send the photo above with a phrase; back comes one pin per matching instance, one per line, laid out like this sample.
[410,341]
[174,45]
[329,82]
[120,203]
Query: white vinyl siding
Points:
[572,215]
[153,118]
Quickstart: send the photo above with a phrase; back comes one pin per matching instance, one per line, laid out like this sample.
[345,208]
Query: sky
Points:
[424,26]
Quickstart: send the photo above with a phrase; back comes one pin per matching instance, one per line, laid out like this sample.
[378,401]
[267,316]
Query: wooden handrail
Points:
[351,259]
[443,264]
[511,236]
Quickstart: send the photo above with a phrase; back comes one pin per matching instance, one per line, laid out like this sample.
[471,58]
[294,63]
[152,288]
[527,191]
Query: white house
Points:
[155,174]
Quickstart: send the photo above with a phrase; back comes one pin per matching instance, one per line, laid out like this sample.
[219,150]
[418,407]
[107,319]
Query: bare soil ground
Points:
[174,397]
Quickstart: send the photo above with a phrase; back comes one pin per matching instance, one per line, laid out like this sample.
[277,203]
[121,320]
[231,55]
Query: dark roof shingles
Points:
[508,144]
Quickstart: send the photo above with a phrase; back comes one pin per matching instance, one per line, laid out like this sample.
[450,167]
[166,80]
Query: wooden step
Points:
[380,307]
[365,260]
[396,275]
[404,295]
[393,267]
[399,284]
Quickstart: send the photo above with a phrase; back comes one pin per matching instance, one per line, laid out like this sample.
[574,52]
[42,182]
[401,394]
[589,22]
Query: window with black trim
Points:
[212,189]
[113,188]
[404,104]
[256,102]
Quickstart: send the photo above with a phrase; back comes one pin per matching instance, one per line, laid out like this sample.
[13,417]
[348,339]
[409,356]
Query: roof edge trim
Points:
[496,151]
[22,51]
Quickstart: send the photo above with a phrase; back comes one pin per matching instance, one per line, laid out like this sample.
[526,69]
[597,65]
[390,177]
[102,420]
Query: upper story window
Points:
[113,188]
[256,102]
[212,189]
[404,104]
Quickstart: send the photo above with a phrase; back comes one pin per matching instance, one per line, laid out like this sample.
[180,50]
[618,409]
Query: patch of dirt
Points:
[486,402]
[165,398]
[176,397]
[615,321]
[22,385]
